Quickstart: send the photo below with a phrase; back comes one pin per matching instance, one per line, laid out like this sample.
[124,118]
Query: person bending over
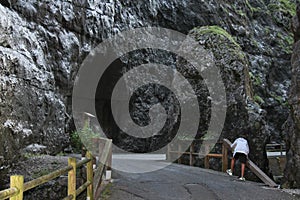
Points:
[240,149]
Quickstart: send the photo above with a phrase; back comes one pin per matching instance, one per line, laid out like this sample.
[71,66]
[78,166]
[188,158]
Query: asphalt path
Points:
[180,182]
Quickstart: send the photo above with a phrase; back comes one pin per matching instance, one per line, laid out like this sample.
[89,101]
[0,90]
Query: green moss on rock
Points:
[258,99]
[215,30]
[285,6]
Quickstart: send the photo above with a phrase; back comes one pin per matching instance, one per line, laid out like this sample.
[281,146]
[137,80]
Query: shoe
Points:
[242,179]
[229,172]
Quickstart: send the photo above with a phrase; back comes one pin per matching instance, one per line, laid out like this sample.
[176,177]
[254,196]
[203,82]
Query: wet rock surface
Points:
[292,174]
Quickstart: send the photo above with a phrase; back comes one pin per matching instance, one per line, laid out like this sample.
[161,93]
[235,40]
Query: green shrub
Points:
[82,137]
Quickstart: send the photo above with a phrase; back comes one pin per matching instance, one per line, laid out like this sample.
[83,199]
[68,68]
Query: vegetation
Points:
[255,79]
[82,138]
[280,99]
[251,8]
[31,155]
[40,173]
[285,8]
[258,99]
[285,42]
[106,192]
[215,30]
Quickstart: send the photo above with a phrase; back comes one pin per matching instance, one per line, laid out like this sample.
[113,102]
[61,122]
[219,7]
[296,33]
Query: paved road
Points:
[179,182]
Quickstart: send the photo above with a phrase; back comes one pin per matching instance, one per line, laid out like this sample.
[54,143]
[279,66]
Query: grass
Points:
[106,193]
[40,173]
[31,155]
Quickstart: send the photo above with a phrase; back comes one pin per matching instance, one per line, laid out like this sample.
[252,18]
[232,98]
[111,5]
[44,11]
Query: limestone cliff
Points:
[292,174]
[43,43]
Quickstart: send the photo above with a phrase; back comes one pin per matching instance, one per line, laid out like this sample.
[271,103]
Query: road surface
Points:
[179,182]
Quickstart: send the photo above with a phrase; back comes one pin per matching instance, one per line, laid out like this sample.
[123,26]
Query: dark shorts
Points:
[241,157]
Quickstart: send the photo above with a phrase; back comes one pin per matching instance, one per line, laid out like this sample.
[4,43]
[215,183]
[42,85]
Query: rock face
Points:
[244,118]
[292,174]
[42,44]
[33,109]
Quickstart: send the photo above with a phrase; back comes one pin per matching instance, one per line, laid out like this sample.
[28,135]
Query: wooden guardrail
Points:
[226,145]
[276,154]
[254,168]
[191,152]
[18,187]
[105,161]
[276,148]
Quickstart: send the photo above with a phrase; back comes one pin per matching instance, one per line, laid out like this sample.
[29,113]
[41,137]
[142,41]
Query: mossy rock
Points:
[284,6]
[217,30]
[258,99]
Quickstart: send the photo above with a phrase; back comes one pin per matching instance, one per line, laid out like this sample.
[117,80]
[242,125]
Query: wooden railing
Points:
[192,154]
[226,145]
[18,187]
[276,148]
[276,154]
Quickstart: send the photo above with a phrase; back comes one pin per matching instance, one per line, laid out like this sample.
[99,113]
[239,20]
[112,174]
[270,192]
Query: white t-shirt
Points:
[240,145]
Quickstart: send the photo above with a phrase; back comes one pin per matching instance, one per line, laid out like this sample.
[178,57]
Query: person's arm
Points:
[233,145]
[247,149]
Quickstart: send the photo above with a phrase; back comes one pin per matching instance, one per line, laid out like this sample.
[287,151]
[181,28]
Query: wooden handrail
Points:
[82,188]
[83,162]
[17,185]
[46,178]
[206,155]
[70,197]
[4,194]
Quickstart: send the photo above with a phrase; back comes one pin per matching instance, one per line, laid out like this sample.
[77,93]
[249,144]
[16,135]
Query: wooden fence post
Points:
[89,176]
[72,178]
[206,158]
[109,165]
[17,182]
[168,152]
[179,152]
[191,154]
[109,160]
[224,158]
[206,162]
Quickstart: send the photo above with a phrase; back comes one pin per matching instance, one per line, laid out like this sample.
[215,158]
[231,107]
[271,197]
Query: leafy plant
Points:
[82,137]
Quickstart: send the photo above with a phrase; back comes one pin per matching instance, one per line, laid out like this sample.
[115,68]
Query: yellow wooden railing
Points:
[18,187]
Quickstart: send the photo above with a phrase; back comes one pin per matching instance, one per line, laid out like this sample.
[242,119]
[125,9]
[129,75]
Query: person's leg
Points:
[242,169]
[232,164]
[243,160]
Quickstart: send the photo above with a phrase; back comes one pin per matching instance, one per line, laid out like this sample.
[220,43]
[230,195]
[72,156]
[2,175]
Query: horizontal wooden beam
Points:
[254,168]
[4,194]
[43,179]
[214,155]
